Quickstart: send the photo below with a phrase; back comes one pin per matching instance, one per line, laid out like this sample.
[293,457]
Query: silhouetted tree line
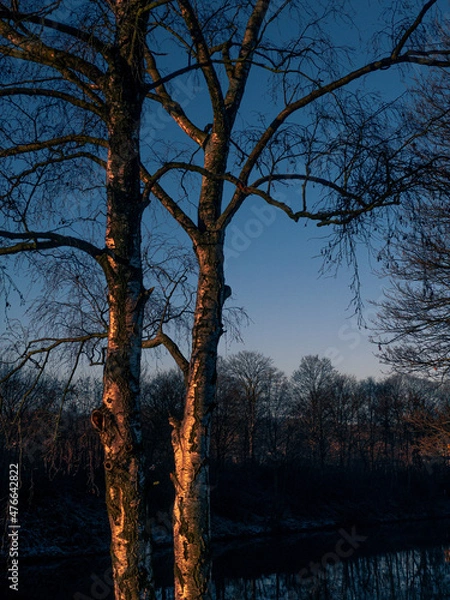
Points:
[270,434]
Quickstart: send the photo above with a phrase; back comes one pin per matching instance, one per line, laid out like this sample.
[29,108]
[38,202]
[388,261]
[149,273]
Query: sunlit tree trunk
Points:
[118,420]
[119,426]
[191,437]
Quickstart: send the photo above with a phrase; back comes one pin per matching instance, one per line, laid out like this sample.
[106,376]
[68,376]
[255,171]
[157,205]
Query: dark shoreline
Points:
[225,531]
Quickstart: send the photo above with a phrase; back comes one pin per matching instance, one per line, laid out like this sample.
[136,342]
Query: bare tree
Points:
[57,70]
[412,322]
[76,86]
[251,373]
[252,400]
[342,416]
[275,406]
[227,421]
[312,385]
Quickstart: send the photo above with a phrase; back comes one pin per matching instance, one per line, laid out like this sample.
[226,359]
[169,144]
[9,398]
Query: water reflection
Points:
[412,574]
[410,562]
[409,574]
[419,571]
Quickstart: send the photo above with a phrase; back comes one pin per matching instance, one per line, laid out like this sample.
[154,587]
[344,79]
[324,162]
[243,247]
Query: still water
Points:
[390,562]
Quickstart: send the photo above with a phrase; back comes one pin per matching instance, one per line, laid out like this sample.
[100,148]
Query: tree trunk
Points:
[191,437]
[118,421]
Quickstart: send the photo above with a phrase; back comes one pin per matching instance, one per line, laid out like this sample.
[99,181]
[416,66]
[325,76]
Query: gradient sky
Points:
[293,310]
[272,266]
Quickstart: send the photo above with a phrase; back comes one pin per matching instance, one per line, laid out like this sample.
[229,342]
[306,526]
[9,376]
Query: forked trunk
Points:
[191,437]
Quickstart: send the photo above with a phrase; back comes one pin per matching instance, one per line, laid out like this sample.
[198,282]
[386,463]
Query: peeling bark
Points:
[191,437]
[118,420]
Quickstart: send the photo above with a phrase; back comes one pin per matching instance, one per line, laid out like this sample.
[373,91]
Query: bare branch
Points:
[27,48]
[241,69]
[53,93]
[172,207]
[41,145]
[163,339]
[203,56]
[46,345]
[89,39]
[395,58]
[35,240]
[413,27]
[173,108]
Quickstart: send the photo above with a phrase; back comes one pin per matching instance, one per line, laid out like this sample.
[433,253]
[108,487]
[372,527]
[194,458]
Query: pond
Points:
[410,561]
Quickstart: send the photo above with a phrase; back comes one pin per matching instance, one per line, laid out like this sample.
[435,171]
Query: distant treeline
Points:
[280,446]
